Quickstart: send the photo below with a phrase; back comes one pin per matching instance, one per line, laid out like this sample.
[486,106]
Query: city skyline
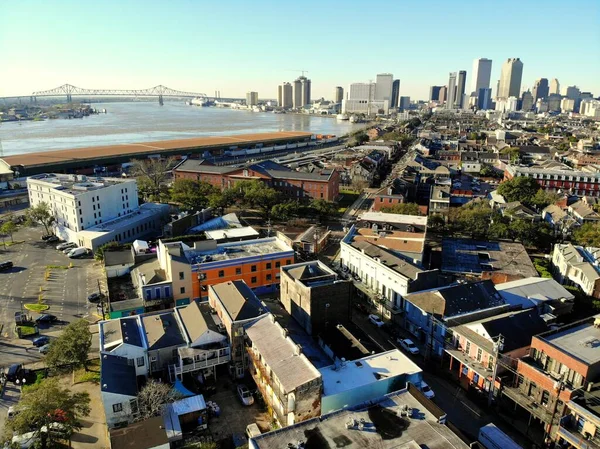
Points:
[124,50]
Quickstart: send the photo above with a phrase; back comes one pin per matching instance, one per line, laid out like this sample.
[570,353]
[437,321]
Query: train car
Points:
[280,147]
[291,146]
[302,144]
[253,151]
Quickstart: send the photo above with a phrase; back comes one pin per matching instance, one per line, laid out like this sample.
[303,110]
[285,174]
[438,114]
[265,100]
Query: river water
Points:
[148,121]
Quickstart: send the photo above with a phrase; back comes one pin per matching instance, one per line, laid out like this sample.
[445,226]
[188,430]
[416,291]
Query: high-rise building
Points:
[497,88]
[285,96]
[443,94]
[361,98]
[482,71]
[484,98]
[404,103]
[527,101]
[573,92]
[394,103]
[252,98]
[554,87]
[338,94]
[301,92]
[434,93]
[554,102]
[567,105]
[460,89]
[451,90]
[383,86]
[540,89]
[510,78]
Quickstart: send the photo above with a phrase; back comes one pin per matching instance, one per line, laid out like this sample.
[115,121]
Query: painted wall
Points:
[114,418]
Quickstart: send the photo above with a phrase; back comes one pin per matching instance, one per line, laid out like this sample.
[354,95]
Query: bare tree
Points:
[152,173]
[153,396]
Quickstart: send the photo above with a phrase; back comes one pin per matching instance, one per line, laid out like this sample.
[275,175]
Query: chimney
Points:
[284,332]
[590,386]
[298,350]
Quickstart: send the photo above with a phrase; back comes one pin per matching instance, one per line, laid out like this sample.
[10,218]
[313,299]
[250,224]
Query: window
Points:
[221,273]
[545,397]
[268,277]
[182,290]
[238,271]
[479,354]
[253,280]
[140,361]
[468,347]
[268,265]
[181,275]
[117,408]
[288,262]
[277,264]
[253,268]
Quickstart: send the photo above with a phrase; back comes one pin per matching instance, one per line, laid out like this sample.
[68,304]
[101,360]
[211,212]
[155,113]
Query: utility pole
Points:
[498,346]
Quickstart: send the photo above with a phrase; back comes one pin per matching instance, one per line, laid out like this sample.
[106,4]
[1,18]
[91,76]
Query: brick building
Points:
[321,185]
[577,182]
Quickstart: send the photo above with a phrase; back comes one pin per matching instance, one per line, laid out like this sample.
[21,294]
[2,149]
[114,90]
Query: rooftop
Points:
[162,330]
[280,353]
[146,434]
[136,149]
[311,274]
[412,242]
[237,250]
[142,213]
[581,340]
[117,376]
[384,428]
[394,219]
[238,300]
[150,273]
[349,375]
[233,233]
[193,320]
[529,292]
[114,333]
[468,256]
[388,259]
[75,184]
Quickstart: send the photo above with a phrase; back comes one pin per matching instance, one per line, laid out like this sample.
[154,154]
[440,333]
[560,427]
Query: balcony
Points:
[529,404]
[194,359]
[376,298]
[261,377]
[472,364]
[568,432]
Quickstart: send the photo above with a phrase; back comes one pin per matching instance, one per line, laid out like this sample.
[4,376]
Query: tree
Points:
[359,184]
[153,396]
[488,171]
[256,194]
[285,211]
[402,208]
[360,138]
[472,219]
[324,209]
[519,188]
[9,228]
[43,404]
[41,214]
[151,173]
[529,233]
[222,200]
[587,235]
[512,152]
[542,199]
[190,194]
[436,223]
[71,347]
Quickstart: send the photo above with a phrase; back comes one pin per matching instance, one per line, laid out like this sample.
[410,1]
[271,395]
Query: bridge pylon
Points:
[160,100]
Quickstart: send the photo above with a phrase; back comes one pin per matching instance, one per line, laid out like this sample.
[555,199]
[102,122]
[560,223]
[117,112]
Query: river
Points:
[148,121]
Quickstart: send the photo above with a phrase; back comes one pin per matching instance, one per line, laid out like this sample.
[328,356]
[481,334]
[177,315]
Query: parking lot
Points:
[39,269]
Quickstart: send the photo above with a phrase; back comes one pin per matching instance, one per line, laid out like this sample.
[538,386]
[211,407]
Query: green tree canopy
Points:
[323,209]
[285,211]
[472,219]
[41,214]
[46,403]
[152,173]
[587,234]
[512,152]
[519,188]
[71,347]
[8,228]
[192,195]
[402,208]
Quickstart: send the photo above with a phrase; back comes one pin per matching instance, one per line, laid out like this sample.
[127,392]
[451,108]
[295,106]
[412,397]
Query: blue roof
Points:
[117,375]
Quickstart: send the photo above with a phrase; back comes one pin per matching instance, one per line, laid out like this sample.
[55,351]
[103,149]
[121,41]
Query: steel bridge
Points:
[159,91]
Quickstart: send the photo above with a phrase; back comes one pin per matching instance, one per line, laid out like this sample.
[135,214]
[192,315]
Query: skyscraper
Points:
[394,103]
[451,91]
[573,92]
[338,94]
[443,94]
[285,96]
[383,87]
[252,98]
[527,101]
[484,98]
[305,90]
[510,78]
[460,89]
[482,71]
[297,95]
[554,86]
[540,89]
[434,93]
[301,92]
[404,103]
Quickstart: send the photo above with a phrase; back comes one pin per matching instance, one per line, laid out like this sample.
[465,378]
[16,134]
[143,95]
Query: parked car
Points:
[41,341]
[95,297]
[44,349]
[426,390]
[52,239]
[14,371]
[46,236]
[245,395]
[46,318]
[376,320]
[408,345]
[77,252]
[252,430]
[5,266]
[65,245]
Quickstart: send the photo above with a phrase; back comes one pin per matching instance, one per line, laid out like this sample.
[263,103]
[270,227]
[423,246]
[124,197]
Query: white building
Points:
[576,265]
[510,78]
[362,99]
[383,88]
[94,211]
[251,98]
[482,71]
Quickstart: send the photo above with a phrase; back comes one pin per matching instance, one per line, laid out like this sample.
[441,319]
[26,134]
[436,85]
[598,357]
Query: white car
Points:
[245,395]
[376,320]
[426,390]
[408,345]
[66,245]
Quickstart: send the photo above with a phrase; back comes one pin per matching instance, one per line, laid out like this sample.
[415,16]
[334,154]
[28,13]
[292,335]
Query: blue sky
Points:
[237,46]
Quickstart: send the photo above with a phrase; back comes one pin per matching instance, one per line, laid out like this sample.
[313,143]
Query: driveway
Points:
[93,434]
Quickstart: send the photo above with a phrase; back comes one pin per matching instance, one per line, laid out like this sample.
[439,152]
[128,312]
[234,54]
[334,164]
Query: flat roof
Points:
[384,217]
[582,341]
[384,428]
[143,148]
[76,184]
[140,435]
[237,250]
[338,378]
[233,233]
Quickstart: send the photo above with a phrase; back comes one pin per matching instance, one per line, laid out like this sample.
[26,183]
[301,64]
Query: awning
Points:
[180,388]
[470,363]
[189,405]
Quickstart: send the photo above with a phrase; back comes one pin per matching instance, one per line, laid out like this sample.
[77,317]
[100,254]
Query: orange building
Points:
[323,184]
[193,269]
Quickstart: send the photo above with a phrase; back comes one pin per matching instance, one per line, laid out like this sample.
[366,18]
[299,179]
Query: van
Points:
[252,430]
[77,252]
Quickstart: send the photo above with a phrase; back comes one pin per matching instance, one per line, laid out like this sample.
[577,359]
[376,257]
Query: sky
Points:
[238,46]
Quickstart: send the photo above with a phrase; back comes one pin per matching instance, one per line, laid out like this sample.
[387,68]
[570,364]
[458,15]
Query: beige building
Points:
[576,265]
[251,98]
[177,270]
[312,293]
